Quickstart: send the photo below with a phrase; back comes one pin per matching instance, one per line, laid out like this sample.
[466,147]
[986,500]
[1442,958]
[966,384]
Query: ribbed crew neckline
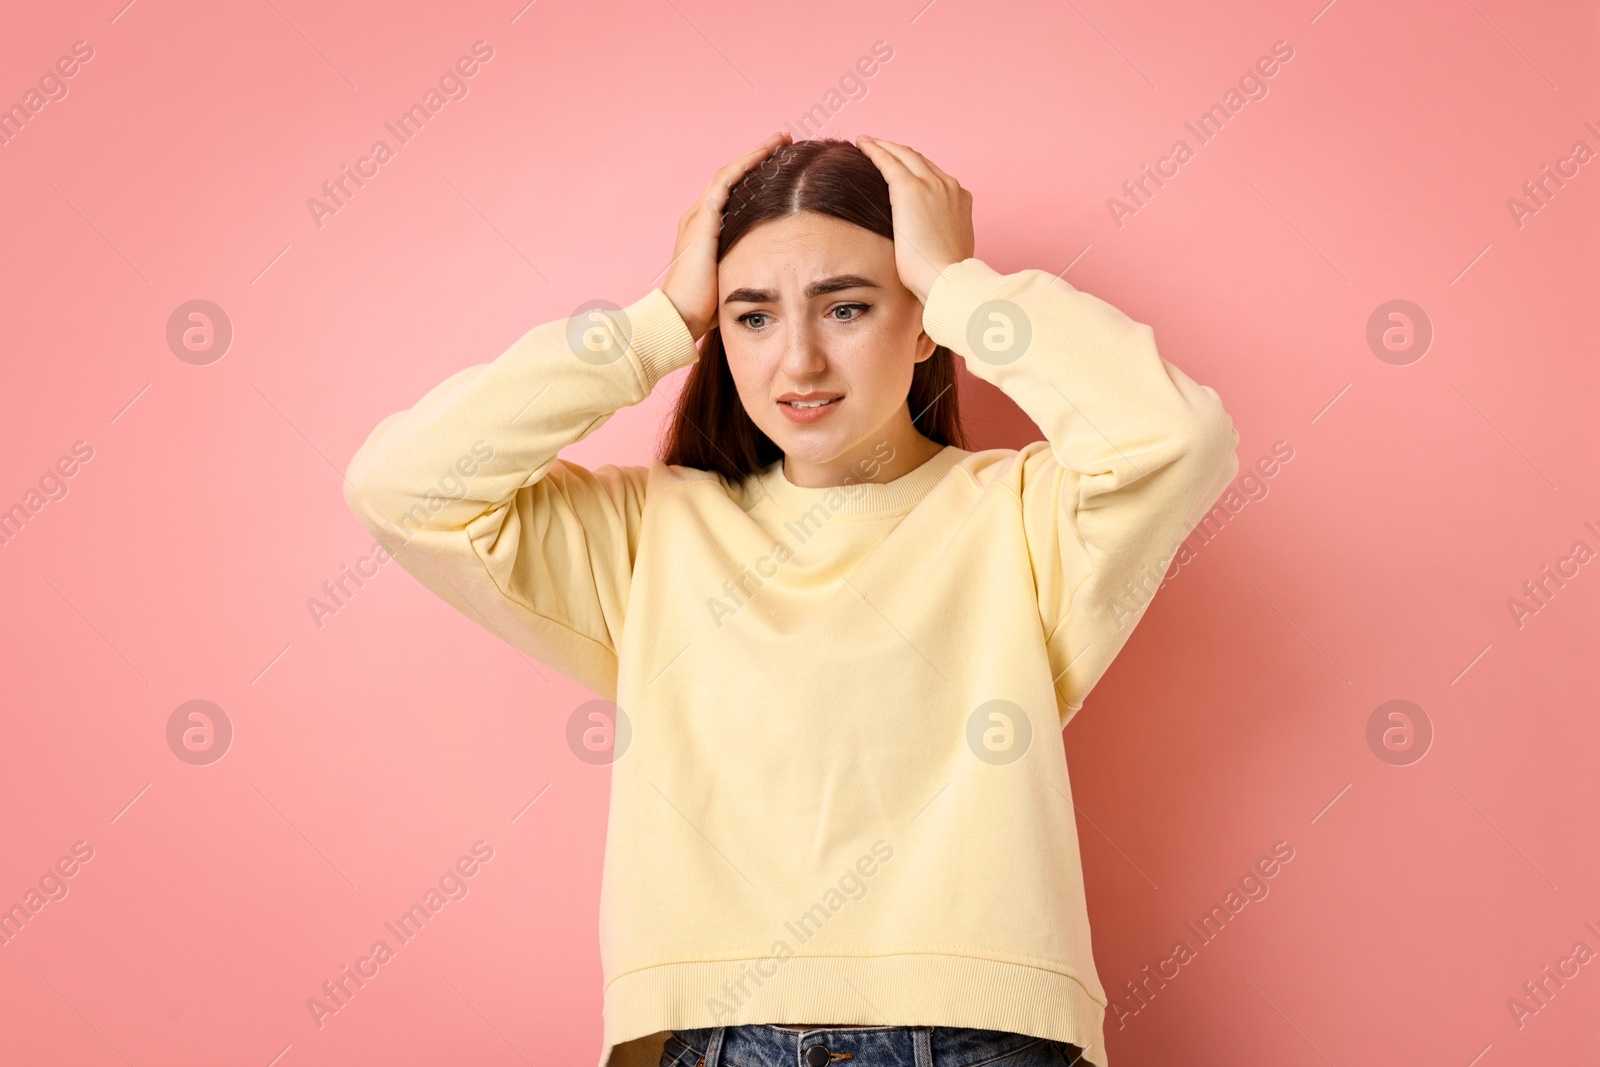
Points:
[861,498]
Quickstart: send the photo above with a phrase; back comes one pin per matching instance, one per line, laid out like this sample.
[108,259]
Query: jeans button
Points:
[817,1056]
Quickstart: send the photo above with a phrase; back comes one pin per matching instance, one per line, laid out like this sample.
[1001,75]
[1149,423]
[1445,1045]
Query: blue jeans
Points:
[876,1046]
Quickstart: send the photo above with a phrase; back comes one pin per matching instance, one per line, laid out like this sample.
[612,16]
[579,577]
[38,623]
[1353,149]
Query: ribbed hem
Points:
[956,293]
[658,338]
[910,989]
[861,498]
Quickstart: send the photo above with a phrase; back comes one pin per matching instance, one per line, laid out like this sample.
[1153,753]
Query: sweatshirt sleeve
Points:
[1135,451]
[466,491]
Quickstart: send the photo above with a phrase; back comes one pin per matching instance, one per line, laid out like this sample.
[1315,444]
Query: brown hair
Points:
[710,429]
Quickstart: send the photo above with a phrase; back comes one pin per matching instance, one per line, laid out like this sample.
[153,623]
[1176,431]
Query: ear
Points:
[925,346]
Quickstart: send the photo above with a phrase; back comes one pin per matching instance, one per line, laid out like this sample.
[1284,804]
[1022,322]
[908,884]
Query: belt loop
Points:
[922,1046]
[714,1047]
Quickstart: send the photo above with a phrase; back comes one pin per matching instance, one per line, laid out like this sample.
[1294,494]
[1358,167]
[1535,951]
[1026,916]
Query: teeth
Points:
[807,403]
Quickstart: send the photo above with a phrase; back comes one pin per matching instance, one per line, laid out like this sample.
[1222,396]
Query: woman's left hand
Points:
[932,214]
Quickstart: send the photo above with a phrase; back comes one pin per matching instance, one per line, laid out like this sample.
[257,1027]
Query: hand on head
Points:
[932,214]
[691,282]
[932,225]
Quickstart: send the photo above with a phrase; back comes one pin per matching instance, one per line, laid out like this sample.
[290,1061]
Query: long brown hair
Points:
[710,429]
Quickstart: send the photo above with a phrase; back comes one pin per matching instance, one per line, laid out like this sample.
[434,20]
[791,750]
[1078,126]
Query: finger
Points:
[716,194]
[908,157]
[744,162]
[913,158]
[888,162]
[937,172]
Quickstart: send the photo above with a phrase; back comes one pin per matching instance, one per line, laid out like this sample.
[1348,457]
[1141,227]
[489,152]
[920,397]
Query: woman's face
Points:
[810,304]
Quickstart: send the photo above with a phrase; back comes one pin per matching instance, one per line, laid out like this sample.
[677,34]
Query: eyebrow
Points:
[815,289]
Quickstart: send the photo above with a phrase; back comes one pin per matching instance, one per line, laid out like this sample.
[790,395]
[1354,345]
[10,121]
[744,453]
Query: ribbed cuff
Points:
[956,293]
[911,989]
[658,338]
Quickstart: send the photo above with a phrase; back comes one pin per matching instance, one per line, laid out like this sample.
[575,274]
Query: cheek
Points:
[738,361]
[881,363]
[877,376]
[896,328]
[746,370]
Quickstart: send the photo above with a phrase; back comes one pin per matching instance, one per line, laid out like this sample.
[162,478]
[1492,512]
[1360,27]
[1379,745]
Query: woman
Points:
[841,645]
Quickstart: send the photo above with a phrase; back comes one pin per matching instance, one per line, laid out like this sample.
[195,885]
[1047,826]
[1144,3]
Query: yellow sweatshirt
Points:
[839,794]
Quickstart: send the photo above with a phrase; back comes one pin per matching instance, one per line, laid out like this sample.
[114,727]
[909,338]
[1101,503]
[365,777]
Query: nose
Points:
[803,354]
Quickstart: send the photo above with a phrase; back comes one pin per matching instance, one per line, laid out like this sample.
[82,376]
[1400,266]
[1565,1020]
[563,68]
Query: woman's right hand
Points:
[691,282]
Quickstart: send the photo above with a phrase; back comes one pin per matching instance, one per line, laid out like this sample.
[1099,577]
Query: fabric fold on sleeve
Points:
[1135,451]
[467,491]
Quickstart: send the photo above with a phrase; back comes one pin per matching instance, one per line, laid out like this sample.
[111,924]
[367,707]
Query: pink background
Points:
[373,751]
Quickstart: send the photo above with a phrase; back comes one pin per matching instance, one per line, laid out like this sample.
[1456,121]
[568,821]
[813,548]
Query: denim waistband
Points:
[875,1046]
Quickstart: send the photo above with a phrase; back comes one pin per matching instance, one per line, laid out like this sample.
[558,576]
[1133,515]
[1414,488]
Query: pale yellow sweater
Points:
[843,796]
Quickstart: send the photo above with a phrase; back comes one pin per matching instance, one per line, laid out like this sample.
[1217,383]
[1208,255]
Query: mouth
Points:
[805,410]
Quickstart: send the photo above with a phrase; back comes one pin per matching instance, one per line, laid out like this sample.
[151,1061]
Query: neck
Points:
[882,458]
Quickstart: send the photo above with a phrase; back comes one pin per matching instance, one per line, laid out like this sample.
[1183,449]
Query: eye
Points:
[859,309]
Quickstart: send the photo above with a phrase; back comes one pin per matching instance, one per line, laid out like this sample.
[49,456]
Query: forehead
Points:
[801,247]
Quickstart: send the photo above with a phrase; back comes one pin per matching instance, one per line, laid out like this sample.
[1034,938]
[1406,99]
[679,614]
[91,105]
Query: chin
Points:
[814,448]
